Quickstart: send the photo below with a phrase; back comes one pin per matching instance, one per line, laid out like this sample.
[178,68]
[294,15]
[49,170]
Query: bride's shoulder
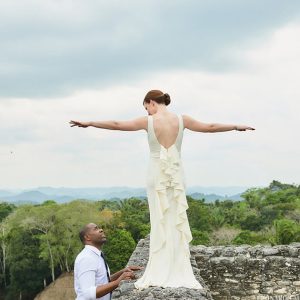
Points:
[185,117]
[187,120]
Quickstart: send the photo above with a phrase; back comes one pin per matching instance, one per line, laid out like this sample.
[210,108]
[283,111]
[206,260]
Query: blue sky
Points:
[221,61]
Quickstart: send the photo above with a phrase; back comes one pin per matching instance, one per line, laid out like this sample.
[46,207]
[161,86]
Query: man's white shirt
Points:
[89,272]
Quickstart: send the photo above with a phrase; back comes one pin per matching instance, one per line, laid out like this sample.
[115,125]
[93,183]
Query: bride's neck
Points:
[161,108]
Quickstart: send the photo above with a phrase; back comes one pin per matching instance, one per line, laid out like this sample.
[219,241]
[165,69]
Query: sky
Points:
[225,61]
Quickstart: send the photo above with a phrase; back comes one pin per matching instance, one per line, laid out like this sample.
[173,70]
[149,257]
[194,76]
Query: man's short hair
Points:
[82,233]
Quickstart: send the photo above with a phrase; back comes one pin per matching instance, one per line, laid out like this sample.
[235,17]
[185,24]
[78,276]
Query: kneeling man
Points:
[92,279]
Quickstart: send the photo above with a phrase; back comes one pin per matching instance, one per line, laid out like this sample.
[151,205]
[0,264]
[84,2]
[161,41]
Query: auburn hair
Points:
[157,96]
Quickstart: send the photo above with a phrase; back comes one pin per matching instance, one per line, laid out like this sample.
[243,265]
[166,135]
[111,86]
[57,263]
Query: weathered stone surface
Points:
[232,272]
[259,272]
[270,251]
[127,291]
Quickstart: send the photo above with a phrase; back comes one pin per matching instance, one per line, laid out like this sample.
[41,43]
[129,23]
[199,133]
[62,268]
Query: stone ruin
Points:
[127,291]
[228,273]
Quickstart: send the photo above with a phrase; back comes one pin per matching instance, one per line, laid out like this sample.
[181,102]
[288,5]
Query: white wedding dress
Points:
[169,257]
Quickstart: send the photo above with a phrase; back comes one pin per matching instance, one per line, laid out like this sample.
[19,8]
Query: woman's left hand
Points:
[79,124]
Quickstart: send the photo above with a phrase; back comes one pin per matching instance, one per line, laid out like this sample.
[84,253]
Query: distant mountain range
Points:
[63,194]
[214,197]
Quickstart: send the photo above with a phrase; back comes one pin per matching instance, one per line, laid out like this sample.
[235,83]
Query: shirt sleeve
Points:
[87,285]
[87,278]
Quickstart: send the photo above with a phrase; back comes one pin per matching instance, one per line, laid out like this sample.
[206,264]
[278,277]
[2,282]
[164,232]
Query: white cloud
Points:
[263,94]
[51,48]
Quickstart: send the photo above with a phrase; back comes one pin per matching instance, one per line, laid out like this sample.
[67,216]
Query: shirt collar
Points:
[94,249]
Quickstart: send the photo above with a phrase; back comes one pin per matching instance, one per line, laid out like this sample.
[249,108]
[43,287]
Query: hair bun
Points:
[167,99]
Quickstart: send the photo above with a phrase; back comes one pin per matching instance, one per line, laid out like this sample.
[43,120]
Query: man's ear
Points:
[87,237]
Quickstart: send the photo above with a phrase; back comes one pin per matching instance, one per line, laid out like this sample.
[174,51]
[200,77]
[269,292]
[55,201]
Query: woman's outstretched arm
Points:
[195,125]
[132,125]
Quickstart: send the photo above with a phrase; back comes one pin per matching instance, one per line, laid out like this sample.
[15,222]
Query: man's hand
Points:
[79,124]
[129,269]
[133,268]
[127,275]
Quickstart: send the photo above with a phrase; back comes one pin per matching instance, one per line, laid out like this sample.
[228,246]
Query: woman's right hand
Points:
[243,128]
[79,124]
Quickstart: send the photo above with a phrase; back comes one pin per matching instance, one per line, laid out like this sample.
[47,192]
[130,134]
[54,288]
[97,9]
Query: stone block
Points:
[221,260]
[267,283]
[241,250]
[221,297]
[254,285]
[250,297]
[126,287]
[266,290]
[228,252]
[238,292]
[253,292]
[270,251]
[294,252]
[281,291]
[284,282]
[240,260]
[231,280]
[289,277]
[262,297]
[259,277]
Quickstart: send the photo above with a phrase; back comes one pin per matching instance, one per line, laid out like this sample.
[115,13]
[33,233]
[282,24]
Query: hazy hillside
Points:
[64,194]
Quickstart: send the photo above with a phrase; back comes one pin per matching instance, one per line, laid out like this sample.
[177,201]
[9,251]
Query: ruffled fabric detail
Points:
[170,177]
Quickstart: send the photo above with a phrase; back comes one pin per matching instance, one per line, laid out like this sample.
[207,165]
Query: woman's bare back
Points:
[166,128]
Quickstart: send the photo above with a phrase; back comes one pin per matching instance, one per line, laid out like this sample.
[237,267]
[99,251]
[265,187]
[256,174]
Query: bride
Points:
[169,256]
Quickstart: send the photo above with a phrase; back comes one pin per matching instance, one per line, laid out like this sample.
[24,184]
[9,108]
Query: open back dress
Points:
[169,257]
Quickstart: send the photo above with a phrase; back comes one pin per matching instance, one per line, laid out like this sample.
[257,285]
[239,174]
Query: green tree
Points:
[6,209]
[287,231]
[27,271]
[269,214]
[135,217]
[118,249]
[199,215]
[108,204]
[200,237]
[276,185]
[43,219]
[245,237]
[58,227]
[4,242]
[254,197]
[235,212]
[252,222]
[70,217]
[217,217]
